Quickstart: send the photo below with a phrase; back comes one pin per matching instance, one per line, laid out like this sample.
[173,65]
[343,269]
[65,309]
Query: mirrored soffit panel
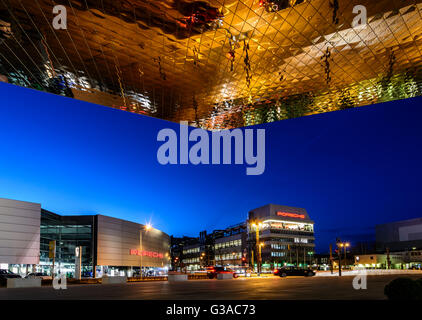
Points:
[217,64]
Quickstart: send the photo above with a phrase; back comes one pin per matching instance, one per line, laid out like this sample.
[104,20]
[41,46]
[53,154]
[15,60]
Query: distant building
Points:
[230,245]
[405,235]
[220,247]
[398,260]
[322,261]
[380,261]
[176,247]
[192,256]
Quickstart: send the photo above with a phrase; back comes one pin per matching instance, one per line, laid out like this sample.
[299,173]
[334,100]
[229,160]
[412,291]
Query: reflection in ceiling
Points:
[220,63]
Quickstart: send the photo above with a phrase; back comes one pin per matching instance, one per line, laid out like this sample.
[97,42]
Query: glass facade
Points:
[69,232]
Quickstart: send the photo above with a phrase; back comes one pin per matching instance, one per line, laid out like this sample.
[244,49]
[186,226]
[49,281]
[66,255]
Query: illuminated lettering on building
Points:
[144,253]
[291,215]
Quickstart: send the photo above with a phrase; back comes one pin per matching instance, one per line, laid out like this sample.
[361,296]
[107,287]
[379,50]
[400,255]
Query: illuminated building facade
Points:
[176,247]
[284,235]
[226,247]
[192,256]
[196,253]
[109,245]
[230,246]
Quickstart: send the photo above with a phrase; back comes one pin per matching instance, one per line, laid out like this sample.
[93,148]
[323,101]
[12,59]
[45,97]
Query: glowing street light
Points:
[341,245]
[257,225]
[146,227]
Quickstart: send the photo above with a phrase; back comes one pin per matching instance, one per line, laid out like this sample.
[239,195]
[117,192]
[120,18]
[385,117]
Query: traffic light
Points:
[52,249]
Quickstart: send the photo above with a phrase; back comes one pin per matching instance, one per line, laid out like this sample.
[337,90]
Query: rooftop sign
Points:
[290,215]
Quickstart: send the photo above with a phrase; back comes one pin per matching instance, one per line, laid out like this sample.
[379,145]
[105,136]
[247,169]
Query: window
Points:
[278,246]
[278,254]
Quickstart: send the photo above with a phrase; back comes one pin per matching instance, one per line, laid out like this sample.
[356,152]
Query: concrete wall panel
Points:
[19,232]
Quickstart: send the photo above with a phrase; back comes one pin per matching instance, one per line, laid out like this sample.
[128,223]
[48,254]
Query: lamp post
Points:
[341,245]
[339,258]
[260,257]
[146,227]
[257,225]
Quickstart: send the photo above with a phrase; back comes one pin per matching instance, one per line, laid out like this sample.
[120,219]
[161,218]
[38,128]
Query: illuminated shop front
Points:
[68,232]
[110,246]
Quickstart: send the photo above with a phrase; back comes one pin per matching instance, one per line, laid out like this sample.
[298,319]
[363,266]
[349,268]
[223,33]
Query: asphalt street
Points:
[236,289]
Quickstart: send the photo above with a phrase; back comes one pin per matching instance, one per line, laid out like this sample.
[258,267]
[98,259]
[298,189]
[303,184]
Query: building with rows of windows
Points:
[273,235]
[284,235]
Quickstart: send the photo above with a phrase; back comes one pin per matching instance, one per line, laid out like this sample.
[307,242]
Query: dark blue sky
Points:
[351,169]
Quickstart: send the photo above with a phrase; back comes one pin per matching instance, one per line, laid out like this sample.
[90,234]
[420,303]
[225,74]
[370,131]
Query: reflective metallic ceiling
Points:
[217,64]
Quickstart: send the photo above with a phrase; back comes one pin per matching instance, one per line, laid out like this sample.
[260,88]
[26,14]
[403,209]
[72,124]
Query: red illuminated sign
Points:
[291,215]
[153,254]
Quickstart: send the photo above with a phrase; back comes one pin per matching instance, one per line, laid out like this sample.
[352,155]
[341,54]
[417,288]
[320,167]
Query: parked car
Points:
[293,271]
[6,274]
[42,275]
[212,272]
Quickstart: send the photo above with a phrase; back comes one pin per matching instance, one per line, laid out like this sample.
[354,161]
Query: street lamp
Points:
[146,227]
[257,225]
[260,255]
[341,245]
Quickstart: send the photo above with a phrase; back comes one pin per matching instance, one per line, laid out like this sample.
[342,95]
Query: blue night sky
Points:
[350,169]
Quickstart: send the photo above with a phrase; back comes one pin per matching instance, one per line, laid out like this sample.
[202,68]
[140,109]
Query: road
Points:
[236,289]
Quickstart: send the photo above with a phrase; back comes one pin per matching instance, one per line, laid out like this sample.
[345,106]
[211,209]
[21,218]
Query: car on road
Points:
[212,272]
[6,274]
[293,271]
[36,275]
[243,271]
